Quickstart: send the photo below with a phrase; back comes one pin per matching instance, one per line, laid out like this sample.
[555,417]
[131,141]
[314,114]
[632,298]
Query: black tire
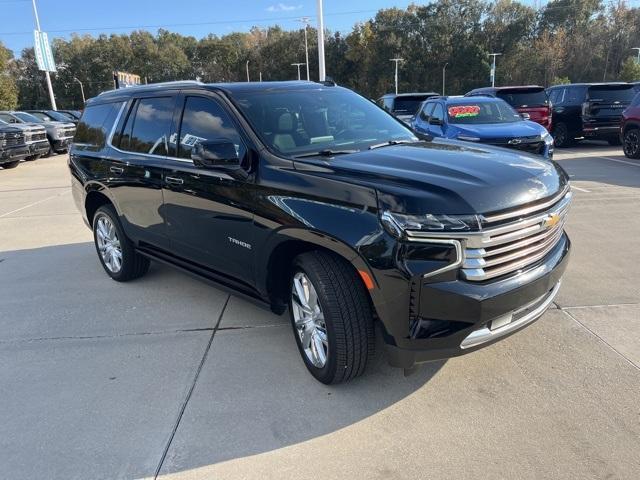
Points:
[10,165]
[32,158]
[49,152]
[614,141]
[133,265]
[561,137]
[347,316]
[631,144]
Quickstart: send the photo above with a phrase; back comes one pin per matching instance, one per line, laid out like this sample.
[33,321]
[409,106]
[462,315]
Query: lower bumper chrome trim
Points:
[484,335]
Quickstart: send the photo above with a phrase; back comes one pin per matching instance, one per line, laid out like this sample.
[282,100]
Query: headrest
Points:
[286,122]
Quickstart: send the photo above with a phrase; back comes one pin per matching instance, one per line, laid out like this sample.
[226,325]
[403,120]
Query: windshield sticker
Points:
[461,111]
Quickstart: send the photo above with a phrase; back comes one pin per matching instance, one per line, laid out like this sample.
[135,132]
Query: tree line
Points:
[564,41]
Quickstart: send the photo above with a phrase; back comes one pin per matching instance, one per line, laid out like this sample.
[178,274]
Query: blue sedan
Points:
[485,120]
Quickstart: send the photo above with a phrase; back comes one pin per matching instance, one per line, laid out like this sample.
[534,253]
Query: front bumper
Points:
[464,316]
[61,144]
[39,147]
[11,154]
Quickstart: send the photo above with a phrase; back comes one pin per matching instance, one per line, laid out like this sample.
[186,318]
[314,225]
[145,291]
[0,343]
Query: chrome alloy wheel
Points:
[109,244]
[309,320]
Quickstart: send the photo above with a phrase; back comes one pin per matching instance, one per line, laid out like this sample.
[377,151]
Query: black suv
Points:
[404,105]
[588,110]
[309,196]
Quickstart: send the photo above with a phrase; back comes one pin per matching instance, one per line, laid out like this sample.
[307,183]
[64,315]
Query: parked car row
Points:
[570,113]
[32,134]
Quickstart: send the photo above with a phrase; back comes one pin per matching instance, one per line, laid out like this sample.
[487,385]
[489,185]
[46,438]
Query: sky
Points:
[189,17]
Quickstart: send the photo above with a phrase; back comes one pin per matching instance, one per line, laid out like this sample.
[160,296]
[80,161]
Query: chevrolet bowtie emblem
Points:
[551,221]
[515,141]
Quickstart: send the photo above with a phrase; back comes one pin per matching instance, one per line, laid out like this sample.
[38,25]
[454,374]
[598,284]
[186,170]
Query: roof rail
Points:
[150,86]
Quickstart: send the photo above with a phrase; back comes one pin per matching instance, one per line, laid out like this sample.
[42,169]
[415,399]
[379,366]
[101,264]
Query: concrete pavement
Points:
[169,376]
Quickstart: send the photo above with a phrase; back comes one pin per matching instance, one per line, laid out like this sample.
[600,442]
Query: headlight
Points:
[548,139]
[398,223]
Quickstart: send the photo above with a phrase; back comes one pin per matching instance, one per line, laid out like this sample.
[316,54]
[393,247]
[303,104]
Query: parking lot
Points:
[169,377]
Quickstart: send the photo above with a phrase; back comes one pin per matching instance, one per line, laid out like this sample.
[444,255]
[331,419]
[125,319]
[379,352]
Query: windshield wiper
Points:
[391,142]
[325,153]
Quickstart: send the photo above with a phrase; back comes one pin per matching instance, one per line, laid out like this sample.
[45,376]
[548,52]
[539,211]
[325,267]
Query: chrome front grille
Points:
[514,240]
[13,139]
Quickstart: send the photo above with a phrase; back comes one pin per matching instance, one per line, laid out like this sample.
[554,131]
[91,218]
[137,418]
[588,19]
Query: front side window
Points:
[304,122]
[474,113]
[204,119]
[147,128]
[427,111]
[438,112]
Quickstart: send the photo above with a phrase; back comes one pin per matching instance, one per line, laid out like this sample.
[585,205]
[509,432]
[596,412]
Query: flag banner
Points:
[42,49]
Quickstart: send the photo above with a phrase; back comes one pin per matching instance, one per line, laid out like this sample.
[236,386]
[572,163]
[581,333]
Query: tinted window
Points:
[94,126]
[308,121]
[610,93]
[427,111]
[203,119]
[57,116]
[7,118]
[42,116]
[495,111]
[148,125]
[574,95]
[524,98]
[27,117]
[407,105]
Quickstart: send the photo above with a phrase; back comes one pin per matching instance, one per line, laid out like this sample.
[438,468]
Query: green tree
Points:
[630,70]
[8,88]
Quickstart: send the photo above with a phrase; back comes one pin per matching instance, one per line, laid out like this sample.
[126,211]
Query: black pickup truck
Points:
[13,147]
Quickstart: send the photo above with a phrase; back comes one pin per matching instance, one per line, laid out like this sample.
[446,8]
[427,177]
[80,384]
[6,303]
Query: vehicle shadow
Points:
[251,395]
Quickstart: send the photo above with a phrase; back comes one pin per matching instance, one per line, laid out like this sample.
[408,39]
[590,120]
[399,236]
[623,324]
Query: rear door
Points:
[208,213]
[141,146]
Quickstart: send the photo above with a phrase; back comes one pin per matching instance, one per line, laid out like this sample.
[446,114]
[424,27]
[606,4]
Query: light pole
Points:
[298,65]
[444,71]
[396,60]
[493,68]
[248,71]
[305,20]
[321,70]
[46,72]
[81,89]
[637,48]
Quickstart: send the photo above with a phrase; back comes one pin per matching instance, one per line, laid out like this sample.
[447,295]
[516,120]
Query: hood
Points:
[444,176]
[524,128]
[24,127]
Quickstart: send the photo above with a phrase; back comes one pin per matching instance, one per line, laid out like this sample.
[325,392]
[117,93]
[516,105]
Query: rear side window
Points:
[148,126]
[557,96]
[94,126]
[203,119]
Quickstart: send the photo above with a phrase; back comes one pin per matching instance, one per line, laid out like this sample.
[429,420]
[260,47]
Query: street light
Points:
[396,60]
[81,89]
[321,69]
[298,65]
[248,71]
[637,48]
[305,20]
[444,70]
[493,68]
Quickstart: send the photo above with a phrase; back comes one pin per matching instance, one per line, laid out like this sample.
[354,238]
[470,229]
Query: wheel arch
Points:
[629,125]
[96,196]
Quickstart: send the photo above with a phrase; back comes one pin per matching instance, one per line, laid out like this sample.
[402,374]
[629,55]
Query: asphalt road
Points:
[169,377]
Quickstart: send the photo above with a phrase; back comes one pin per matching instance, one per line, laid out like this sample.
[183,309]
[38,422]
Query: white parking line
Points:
[580,189]
[31,205]
[621,161]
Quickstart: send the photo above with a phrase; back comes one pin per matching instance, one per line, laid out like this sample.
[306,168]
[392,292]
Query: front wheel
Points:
[9,165]
[631,143]
[116,252]
[331,317]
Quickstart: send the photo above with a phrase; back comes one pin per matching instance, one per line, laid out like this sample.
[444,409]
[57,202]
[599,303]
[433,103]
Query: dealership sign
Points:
[42,49]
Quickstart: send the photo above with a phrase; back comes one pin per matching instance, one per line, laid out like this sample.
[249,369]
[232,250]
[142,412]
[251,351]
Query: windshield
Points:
[482,112]
[408,105]
[69,115]
[27,117]
[524,98]
[60,116]
[299,122]
[608,93]
[42,116]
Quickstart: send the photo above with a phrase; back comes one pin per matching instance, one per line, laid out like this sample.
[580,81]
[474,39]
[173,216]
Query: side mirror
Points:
[525,116]
[218,155]
[435,121]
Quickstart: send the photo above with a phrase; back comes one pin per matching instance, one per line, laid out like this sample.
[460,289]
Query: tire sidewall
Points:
[636,154]
[326,373]
[560,128]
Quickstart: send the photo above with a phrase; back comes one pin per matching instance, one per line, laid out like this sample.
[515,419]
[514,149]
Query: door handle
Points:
[117,170]
[174,180]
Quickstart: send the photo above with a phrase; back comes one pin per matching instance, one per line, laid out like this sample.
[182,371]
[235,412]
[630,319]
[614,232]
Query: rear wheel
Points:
[9,165]
[561,137]
[631,144]
[116,252]
[331,317]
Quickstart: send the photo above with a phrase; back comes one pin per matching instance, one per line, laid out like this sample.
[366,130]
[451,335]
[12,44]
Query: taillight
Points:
[585,108]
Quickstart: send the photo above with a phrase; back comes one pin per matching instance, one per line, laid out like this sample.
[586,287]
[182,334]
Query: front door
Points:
[208,213]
